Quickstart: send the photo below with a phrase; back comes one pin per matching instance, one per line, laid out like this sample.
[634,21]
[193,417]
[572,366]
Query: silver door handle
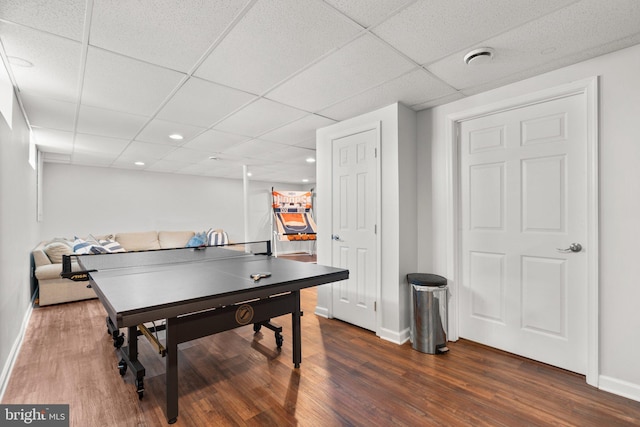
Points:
[574,247]
[335,237]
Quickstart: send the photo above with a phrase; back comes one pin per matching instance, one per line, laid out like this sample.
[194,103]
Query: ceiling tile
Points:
[92,159]
[49,113]
[366,12]
[364,63]
[202,103]
[298,131]
[186,155]
[124,84]
[429,30]
[291,155]
[412,88]
[230,171]
[255,148]
[308,143]
[162,32]
[259,117]
[92,144]
[546,41]
[61,17]
[114,124]
[144,152]
[55,60]
[275,39]
[213,141]
[158,131]
[53,141]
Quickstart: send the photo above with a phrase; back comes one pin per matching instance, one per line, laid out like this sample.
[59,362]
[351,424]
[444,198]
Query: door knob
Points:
[574,247]
[335,237]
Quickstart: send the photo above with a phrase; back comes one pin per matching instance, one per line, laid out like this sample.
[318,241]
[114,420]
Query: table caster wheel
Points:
[257,327]
[118,341]
[122,367]
[279,340]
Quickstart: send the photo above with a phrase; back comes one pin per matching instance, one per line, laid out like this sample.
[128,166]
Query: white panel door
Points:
[354,198]
[523,197]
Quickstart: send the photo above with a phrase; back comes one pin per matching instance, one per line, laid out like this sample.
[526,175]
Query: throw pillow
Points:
[81,246]
[217,237]
[55,251]
[111,246]
[97,249]
[200,239]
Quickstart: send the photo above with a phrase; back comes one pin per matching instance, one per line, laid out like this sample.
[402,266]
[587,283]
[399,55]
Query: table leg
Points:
[172,371]
[295,326]
[133,343]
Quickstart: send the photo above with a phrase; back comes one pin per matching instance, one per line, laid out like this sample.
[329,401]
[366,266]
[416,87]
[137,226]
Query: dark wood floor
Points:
[348,377]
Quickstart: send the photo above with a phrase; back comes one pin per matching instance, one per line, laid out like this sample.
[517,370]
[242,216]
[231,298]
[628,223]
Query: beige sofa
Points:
[47,260]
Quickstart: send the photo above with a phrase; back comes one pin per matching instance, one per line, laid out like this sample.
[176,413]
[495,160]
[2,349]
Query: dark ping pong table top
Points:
[138,287]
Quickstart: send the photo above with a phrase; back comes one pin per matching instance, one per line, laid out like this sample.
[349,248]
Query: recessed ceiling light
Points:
[139,163]
[176,136]
[305,180]
[214,157]
[310,160]
[249,174]
[478,56]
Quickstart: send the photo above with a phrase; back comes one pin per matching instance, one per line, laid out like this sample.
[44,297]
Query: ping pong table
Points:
[199,292]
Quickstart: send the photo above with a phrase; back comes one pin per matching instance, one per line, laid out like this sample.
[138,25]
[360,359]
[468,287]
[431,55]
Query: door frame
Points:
[587,87]
[376,126]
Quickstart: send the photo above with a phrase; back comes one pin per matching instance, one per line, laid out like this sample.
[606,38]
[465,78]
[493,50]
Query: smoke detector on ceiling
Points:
[482,55]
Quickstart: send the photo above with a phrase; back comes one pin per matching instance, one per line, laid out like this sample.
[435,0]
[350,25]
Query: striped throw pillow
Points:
[217,238]
[111,246]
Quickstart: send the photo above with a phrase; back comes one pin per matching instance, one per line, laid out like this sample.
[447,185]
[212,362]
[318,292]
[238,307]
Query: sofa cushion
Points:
[52,271]
[138,241]
[55,250]
[174,239]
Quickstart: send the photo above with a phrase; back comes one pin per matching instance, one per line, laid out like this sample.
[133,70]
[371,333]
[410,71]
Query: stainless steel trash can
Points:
[428,312]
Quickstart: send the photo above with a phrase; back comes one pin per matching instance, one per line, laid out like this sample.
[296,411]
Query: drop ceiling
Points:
[247,82]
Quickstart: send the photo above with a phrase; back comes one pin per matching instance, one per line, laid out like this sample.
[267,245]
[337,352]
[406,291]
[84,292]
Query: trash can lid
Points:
[423,279]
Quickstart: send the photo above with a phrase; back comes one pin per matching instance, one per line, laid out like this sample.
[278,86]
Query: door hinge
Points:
[375,228]
[375,152]
[375,306]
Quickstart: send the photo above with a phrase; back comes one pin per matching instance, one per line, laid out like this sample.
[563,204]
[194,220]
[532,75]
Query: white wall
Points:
[18,235]
[398,247]
[81,200]
[619,200]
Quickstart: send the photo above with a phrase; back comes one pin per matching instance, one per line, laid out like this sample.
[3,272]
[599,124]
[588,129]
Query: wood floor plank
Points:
[348,377]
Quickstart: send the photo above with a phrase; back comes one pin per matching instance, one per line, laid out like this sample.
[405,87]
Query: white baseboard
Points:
[395,337]
[619,387]
[13,354]
[322,312]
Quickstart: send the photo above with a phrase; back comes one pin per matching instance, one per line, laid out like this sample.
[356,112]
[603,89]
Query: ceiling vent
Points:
[481,55]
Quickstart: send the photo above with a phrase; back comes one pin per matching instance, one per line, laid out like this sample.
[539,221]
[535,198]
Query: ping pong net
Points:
[76,271]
